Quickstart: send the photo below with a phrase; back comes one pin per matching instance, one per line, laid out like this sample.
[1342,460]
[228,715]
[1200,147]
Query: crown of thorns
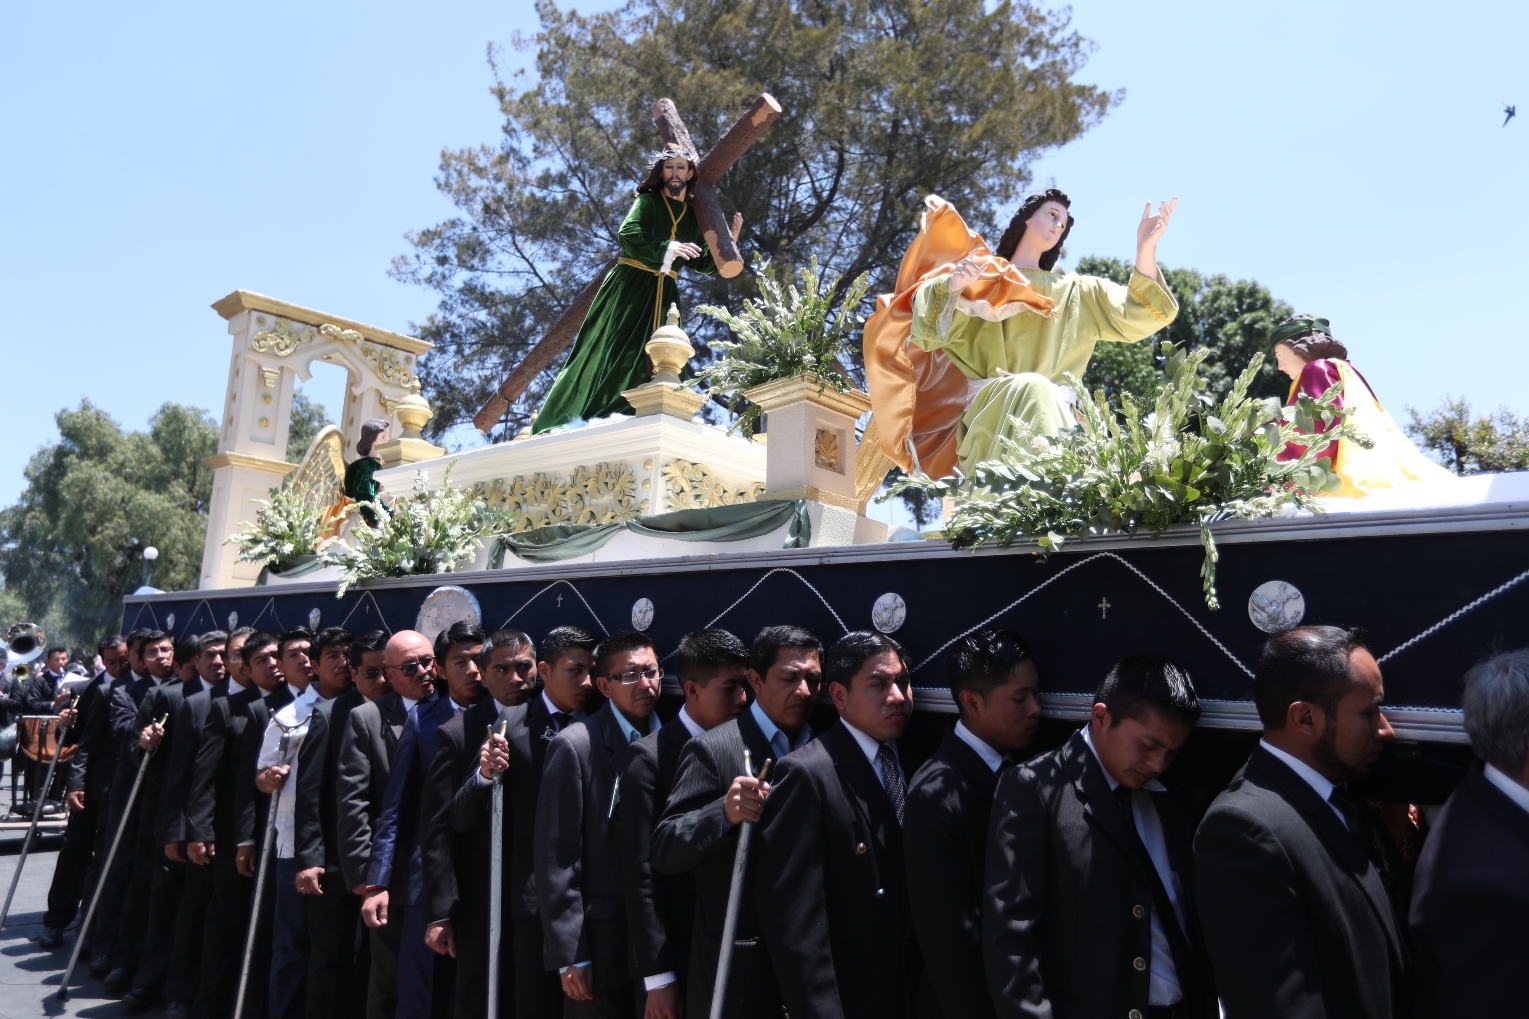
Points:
[672,152]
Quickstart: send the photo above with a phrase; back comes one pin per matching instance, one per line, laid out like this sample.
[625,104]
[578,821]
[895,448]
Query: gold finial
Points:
[669,349]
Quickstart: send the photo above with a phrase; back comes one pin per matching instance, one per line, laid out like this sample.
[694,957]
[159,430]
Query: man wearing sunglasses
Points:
[578,856]
[993,681]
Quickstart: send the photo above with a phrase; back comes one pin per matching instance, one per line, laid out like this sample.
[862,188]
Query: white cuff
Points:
[661,980]
[478,775]
[249,843]
[577,965]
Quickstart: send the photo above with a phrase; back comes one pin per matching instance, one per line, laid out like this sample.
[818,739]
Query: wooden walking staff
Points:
[734,900]
[495,879]
[95,898]
[42,798]
[267,846]
[708,212]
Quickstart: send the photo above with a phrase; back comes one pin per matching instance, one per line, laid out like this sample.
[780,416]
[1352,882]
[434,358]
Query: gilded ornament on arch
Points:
[335,332]
[825,451]
[270,376]
[697,486]
[386,361]
[283,338]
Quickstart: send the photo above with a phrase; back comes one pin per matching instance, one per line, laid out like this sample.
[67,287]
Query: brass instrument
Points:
[23,644]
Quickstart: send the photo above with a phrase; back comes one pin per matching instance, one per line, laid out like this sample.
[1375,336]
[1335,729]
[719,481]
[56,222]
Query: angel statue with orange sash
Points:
[1306,351]
[975,339]
[660,233]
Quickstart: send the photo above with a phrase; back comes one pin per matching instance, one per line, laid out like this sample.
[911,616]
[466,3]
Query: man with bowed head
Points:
[829,875]
[993,679]
[1089,908]
[1290,875]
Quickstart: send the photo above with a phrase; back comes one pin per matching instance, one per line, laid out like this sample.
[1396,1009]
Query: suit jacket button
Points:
[1135,1013]
[860,849]
[1139,963]
[1138,911]
[881,893]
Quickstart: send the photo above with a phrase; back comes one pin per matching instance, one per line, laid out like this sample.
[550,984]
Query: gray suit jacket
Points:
[693,837]
[365,764]
[578,859]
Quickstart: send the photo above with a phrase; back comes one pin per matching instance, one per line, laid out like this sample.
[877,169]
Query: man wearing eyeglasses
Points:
[993,681]
[368,745]
[578,856]
[456,863]
[564,669]
[395,875]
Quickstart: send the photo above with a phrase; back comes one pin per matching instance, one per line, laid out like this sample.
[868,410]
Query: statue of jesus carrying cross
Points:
[675,220]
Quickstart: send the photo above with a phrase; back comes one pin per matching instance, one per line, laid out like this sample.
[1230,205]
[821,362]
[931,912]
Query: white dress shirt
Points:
[871,748]
[1164,989]
[690,723]
[1320,783]
[990,757]
[1509,786]
[294,717]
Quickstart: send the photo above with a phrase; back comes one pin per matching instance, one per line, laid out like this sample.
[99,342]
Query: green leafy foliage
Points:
[784,332]
[1230,320]
[72,545]
[1468,443]
[1187,457]
[883,104]
[423,532]
[287,526]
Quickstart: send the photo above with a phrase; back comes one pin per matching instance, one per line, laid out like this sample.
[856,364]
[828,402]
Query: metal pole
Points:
[267,845]
[95,899]
[495,881]
[42,798]
[734,901]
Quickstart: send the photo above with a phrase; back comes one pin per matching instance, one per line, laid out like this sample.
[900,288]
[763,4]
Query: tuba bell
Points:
[23,644]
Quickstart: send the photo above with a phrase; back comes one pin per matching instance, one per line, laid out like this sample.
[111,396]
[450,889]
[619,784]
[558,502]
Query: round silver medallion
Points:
[444,606]
[313,620]
[170,623]
[1276,605]
[889,612]
[233,621]
[642,614]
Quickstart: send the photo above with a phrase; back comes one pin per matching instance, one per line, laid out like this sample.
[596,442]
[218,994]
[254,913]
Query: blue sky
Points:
[156,156]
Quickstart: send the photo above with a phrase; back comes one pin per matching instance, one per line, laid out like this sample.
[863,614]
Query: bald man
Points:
[368,745]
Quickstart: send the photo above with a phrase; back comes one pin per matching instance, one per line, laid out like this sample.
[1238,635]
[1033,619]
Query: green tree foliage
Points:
[1469,444]
[1230,319]
[884,103]
[72,546]
[308,418]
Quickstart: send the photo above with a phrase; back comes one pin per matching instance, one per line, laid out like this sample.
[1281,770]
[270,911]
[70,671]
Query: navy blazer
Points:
[398,825]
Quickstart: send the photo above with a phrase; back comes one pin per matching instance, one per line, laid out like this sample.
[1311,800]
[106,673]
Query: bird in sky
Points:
[1511,111]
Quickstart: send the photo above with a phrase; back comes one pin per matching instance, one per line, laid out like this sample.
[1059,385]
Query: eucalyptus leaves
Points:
[1187,459]
[783,333]
[423,532]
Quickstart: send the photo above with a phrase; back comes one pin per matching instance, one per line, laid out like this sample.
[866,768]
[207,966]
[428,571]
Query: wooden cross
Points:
[708,212]
[1104,608]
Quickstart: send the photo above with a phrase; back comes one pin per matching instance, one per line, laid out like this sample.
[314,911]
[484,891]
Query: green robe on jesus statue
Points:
[659,233]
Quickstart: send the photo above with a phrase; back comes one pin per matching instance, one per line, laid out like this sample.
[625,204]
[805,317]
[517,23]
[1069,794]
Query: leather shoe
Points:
[140,998]
[118,980]
[178,1010]
[51,938]
[100,966]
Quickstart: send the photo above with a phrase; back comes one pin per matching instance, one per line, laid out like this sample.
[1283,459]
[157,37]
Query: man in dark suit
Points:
[456,865]
[395,877]
[993,681]
[122,710]
[1089,908]
[88,784]
[578,859]
[153,890]
[336,976]
[368,747]
[713,668]
[1470,893]
[185,957]
[1288,869]
[564,668]
[712,793]
[828,870]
